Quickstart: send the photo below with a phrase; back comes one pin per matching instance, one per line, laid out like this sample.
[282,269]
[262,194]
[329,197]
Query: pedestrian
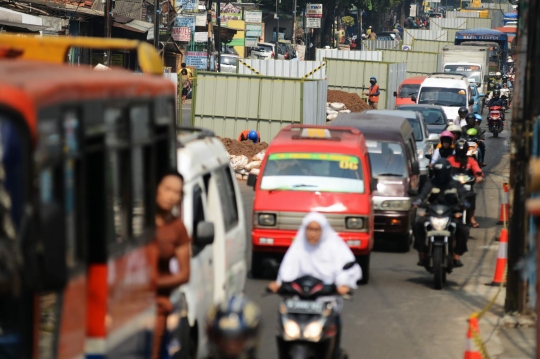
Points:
[186,85]
[172,250]
[373,35]
[190,73]
[373,93]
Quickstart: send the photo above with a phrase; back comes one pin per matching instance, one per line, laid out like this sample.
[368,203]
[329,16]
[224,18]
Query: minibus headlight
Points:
[354,222]
[267,219]
[420,153]
[397,204]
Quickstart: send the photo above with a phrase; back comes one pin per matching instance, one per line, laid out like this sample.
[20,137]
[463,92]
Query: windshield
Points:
[408,90]
[432,117]
[386,159]
[443,96]
[471,71]
[323,172]
[417,129]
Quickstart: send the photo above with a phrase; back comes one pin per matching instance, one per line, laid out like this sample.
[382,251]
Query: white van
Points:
[450,91]
[219,269]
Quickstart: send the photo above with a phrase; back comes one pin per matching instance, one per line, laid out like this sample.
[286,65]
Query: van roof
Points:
[199,156]
[344,139]
[377,127]
[391,113]
[414,80]
[445,83]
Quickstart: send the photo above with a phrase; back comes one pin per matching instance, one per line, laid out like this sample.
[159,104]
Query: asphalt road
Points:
[398,314]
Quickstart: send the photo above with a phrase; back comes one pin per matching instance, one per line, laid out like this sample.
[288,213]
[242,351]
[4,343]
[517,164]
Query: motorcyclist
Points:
[472,122]
[461,162]
[445,147]
[233,329]
[318,251]
[456,131]
[443,190]
[498,79]
[496,101]
[462,113]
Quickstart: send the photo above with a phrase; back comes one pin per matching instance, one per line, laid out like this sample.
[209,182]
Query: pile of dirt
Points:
[246,148]
[352,101]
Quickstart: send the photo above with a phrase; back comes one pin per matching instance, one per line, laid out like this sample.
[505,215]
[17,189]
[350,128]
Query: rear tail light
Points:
[272,54]
[286,55]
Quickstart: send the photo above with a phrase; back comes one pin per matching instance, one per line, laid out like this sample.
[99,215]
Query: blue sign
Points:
[185,21]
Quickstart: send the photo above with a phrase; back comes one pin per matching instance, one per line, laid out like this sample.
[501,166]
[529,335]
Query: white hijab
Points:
[324,261]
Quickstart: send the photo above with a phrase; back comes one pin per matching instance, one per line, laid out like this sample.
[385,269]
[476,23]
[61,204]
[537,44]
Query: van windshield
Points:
[408,89]
[387,159]
[443,96]
[471,71]
[323,172]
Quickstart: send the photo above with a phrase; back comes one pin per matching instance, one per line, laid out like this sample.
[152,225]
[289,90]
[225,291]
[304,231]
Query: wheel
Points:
[257,269]
[495,134]
[437,268]
[364,264]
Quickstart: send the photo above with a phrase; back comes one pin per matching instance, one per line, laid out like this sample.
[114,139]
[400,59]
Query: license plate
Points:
[304,306]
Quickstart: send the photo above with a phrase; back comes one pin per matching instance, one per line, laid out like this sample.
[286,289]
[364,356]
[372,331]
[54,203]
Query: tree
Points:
[347,21]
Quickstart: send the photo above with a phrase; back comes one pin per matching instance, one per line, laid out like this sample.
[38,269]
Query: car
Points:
[478,100]
[434,116]
[264,51]
[394,166]
[228,50]
[286,51]
[312,168]
[407,88]
[211,195]
[391,34]
[228,63]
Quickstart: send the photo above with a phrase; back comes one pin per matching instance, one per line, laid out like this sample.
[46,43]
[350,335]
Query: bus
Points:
[81,152]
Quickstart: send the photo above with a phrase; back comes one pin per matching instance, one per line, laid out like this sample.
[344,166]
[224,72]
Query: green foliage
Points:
[347,21]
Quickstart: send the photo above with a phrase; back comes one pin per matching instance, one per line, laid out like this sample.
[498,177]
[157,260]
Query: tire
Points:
[438,270]
[404,244]
[364,264]
[257,269]
[495,134]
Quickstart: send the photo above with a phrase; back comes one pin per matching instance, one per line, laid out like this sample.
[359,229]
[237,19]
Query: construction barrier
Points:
[471,351]
[504,209]
[502,258]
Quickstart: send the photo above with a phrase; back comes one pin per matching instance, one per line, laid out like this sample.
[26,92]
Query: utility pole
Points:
[157,11]
[276,56]
[107,9]
[218,21]
[209,43]
[293,37]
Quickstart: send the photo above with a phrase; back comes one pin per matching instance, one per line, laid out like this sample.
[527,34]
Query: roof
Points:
[481,32]
[445,83]
[135,25]
[389,128]
[392,113]
[414,80]
[507,29]
[128,8]
[350,140]
[413,106]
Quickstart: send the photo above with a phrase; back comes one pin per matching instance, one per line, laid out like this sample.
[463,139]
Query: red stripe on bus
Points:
[97,301]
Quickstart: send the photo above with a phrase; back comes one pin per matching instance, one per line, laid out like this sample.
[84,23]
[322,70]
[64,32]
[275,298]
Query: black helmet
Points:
[233,329]
[463,111]
[461,148]
[496,93]
[442,170]
[471,120]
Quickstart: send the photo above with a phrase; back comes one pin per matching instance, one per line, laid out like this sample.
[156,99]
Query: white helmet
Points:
[510,60]
[498,74]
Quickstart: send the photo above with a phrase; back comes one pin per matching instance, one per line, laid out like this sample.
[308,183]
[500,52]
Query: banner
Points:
[253,30]
[185,21]
[250,42]
[228,12]
[181,34]
[314,10]
[197,59]
[200,20]
[313,22]
[201,36]
[253,16]
[413,10]
[191,5]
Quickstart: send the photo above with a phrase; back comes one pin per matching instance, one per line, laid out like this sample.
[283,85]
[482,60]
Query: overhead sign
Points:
[253,16]
[314,10]
[253,30]
[181,34]
[313,22]
[197,59]
[201,36]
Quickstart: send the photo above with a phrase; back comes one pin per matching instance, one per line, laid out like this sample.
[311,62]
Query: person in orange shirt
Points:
[373,93]
[245,135]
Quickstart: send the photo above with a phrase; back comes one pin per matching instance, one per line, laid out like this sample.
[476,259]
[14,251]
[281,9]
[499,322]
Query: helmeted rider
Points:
[497,101]
[233,329]
[474,123]
[490,96]
[442,190]
[456,131]
[462,113]
[445,147]
[461,162]
[498,79]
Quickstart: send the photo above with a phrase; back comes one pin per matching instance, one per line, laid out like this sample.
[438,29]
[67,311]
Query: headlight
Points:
[420,154]
[438,224]
[397,205]
[291,329]
[313,331]
[429,149]
[267,219]
[354,222]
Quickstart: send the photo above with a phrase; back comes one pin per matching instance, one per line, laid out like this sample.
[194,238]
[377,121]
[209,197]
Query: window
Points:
[227,196]
[198,216]
[387,159]
[417,128]
[443,96]
[228,60]
[408,90]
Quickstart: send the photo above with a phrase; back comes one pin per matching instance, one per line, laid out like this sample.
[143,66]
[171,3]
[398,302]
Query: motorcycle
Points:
[467,180]
[440,232]
[496,120]
[308,327]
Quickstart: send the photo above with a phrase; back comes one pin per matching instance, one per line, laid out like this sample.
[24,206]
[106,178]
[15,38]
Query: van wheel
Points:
[364,264]
[257,269]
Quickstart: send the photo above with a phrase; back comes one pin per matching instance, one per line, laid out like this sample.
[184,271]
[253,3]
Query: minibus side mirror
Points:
[395,94]
[53,266]
[413,98]
[205,233]
[415,168]
[252,180]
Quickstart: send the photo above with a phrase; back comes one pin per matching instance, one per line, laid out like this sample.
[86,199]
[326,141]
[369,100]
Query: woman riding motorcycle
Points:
[456,131]
[445,148]
[318,251]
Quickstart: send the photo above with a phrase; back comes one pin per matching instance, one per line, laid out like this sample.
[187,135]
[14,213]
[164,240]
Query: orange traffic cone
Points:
[504,209]
[500,267]
[471,351]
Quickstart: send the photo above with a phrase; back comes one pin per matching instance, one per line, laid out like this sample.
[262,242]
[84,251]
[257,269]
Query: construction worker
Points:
[368,31]
[251,135]
[373,93]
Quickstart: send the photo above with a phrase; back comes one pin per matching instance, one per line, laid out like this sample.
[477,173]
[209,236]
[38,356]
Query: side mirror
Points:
[395,94]
[415,168]
[471,101]
[205,234]
[373,184]
[413,192]
[413,98]
[252,180]
[433,137]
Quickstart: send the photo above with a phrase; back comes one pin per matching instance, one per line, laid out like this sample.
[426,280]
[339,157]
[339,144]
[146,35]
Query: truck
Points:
[483,35]
[472,62]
